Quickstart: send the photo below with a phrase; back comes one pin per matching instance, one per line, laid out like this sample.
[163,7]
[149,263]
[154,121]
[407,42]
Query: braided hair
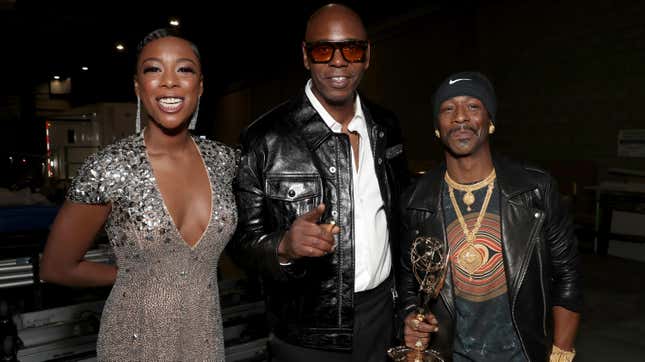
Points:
[164,33]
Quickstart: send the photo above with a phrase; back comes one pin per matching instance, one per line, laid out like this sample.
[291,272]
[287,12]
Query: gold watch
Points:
[560,355]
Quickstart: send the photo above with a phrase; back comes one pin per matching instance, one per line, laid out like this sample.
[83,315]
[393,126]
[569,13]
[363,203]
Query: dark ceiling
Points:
[240,41]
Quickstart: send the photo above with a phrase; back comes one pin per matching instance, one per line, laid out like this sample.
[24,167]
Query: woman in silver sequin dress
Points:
[167,203]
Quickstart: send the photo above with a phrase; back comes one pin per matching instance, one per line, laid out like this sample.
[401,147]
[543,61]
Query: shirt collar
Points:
[357,124]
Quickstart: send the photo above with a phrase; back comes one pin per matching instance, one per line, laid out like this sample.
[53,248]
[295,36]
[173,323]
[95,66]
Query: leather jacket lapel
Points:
[426,201]
[426,194]
[519,221]
[378,142]
[312,127]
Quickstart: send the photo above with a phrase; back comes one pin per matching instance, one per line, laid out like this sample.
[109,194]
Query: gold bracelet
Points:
[560,355]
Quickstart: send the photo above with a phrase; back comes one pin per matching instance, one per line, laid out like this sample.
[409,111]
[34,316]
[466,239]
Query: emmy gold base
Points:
[407,354]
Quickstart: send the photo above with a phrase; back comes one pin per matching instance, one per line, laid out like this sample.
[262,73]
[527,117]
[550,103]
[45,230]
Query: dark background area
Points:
[568,74]
[241,43]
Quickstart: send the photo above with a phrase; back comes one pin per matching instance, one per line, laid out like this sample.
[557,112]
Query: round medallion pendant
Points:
[468,199]
[472,257]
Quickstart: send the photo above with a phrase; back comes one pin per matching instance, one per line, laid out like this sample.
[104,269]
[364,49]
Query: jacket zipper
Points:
[517,290]
[442,220]
[348,156]
[543,292]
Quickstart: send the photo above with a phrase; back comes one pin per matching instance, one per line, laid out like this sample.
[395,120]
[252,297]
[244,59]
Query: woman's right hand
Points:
[418,328]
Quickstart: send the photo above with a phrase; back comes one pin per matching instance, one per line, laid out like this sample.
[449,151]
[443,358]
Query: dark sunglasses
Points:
[353,51]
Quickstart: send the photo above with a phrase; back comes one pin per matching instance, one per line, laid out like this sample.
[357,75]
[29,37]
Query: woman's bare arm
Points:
[71,235]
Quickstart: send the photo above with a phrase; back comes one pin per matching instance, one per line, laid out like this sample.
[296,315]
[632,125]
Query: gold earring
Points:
[436,133]
[491,129]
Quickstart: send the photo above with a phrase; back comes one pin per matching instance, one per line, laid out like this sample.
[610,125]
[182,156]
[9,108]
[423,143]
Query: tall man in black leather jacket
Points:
[512,290]
[317,186]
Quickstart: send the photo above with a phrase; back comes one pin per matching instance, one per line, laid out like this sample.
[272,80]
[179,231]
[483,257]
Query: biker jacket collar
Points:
[512,180]
[313,128]
[308,121]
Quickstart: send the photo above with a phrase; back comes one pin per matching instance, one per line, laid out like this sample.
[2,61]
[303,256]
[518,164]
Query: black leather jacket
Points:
[539,248]
[291,161]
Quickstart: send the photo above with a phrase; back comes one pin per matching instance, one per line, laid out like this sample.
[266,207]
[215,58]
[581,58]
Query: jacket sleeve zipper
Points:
[517,290]
[543,292]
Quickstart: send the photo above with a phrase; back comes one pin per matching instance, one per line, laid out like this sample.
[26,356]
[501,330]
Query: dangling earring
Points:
[436,133]
[193,121]
[491,128]
[137,124]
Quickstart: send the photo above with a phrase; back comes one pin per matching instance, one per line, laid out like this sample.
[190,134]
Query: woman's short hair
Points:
[164,33]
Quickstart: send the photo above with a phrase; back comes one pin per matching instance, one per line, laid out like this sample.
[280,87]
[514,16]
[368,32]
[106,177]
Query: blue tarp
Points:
[26,218]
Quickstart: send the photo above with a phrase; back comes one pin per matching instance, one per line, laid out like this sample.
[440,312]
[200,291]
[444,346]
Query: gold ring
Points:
[416,324]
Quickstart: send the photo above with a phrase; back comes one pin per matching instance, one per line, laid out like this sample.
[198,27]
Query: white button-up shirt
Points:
[372,257]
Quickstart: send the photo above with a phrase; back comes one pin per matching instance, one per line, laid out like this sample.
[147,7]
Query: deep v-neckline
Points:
[163,201]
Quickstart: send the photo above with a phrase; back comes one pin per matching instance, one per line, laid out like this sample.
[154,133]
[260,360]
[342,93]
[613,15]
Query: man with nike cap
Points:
[512,289]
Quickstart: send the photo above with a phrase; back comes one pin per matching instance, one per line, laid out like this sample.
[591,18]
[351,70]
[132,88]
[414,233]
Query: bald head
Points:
[333,19]
[334,33]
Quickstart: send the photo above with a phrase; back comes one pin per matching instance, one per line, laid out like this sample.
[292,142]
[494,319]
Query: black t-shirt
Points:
[483,326]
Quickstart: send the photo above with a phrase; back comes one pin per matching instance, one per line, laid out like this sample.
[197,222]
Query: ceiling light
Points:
[173,22]
[57,77]
[84,68]
[120,47]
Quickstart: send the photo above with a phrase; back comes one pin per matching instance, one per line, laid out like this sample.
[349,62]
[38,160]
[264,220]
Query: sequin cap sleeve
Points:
[224,159]
[99,175]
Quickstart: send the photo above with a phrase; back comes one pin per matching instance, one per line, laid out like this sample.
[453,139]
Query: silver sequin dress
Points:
[164,305]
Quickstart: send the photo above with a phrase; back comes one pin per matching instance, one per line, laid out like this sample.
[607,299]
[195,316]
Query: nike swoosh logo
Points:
[453,81]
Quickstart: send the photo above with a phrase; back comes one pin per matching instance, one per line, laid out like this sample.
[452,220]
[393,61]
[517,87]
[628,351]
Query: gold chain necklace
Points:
[469,198]
[473,256]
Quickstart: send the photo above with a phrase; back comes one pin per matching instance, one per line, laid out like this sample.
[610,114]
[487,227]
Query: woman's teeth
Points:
[170,104]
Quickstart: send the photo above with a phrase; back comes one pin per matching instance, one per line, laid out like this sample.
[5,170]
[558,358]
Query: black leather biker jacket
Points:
[539,248]
[291,161]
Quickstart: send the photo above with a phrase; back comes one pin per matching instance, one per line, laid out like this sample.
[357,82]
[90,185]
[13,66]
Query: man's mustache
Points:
[462,127]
